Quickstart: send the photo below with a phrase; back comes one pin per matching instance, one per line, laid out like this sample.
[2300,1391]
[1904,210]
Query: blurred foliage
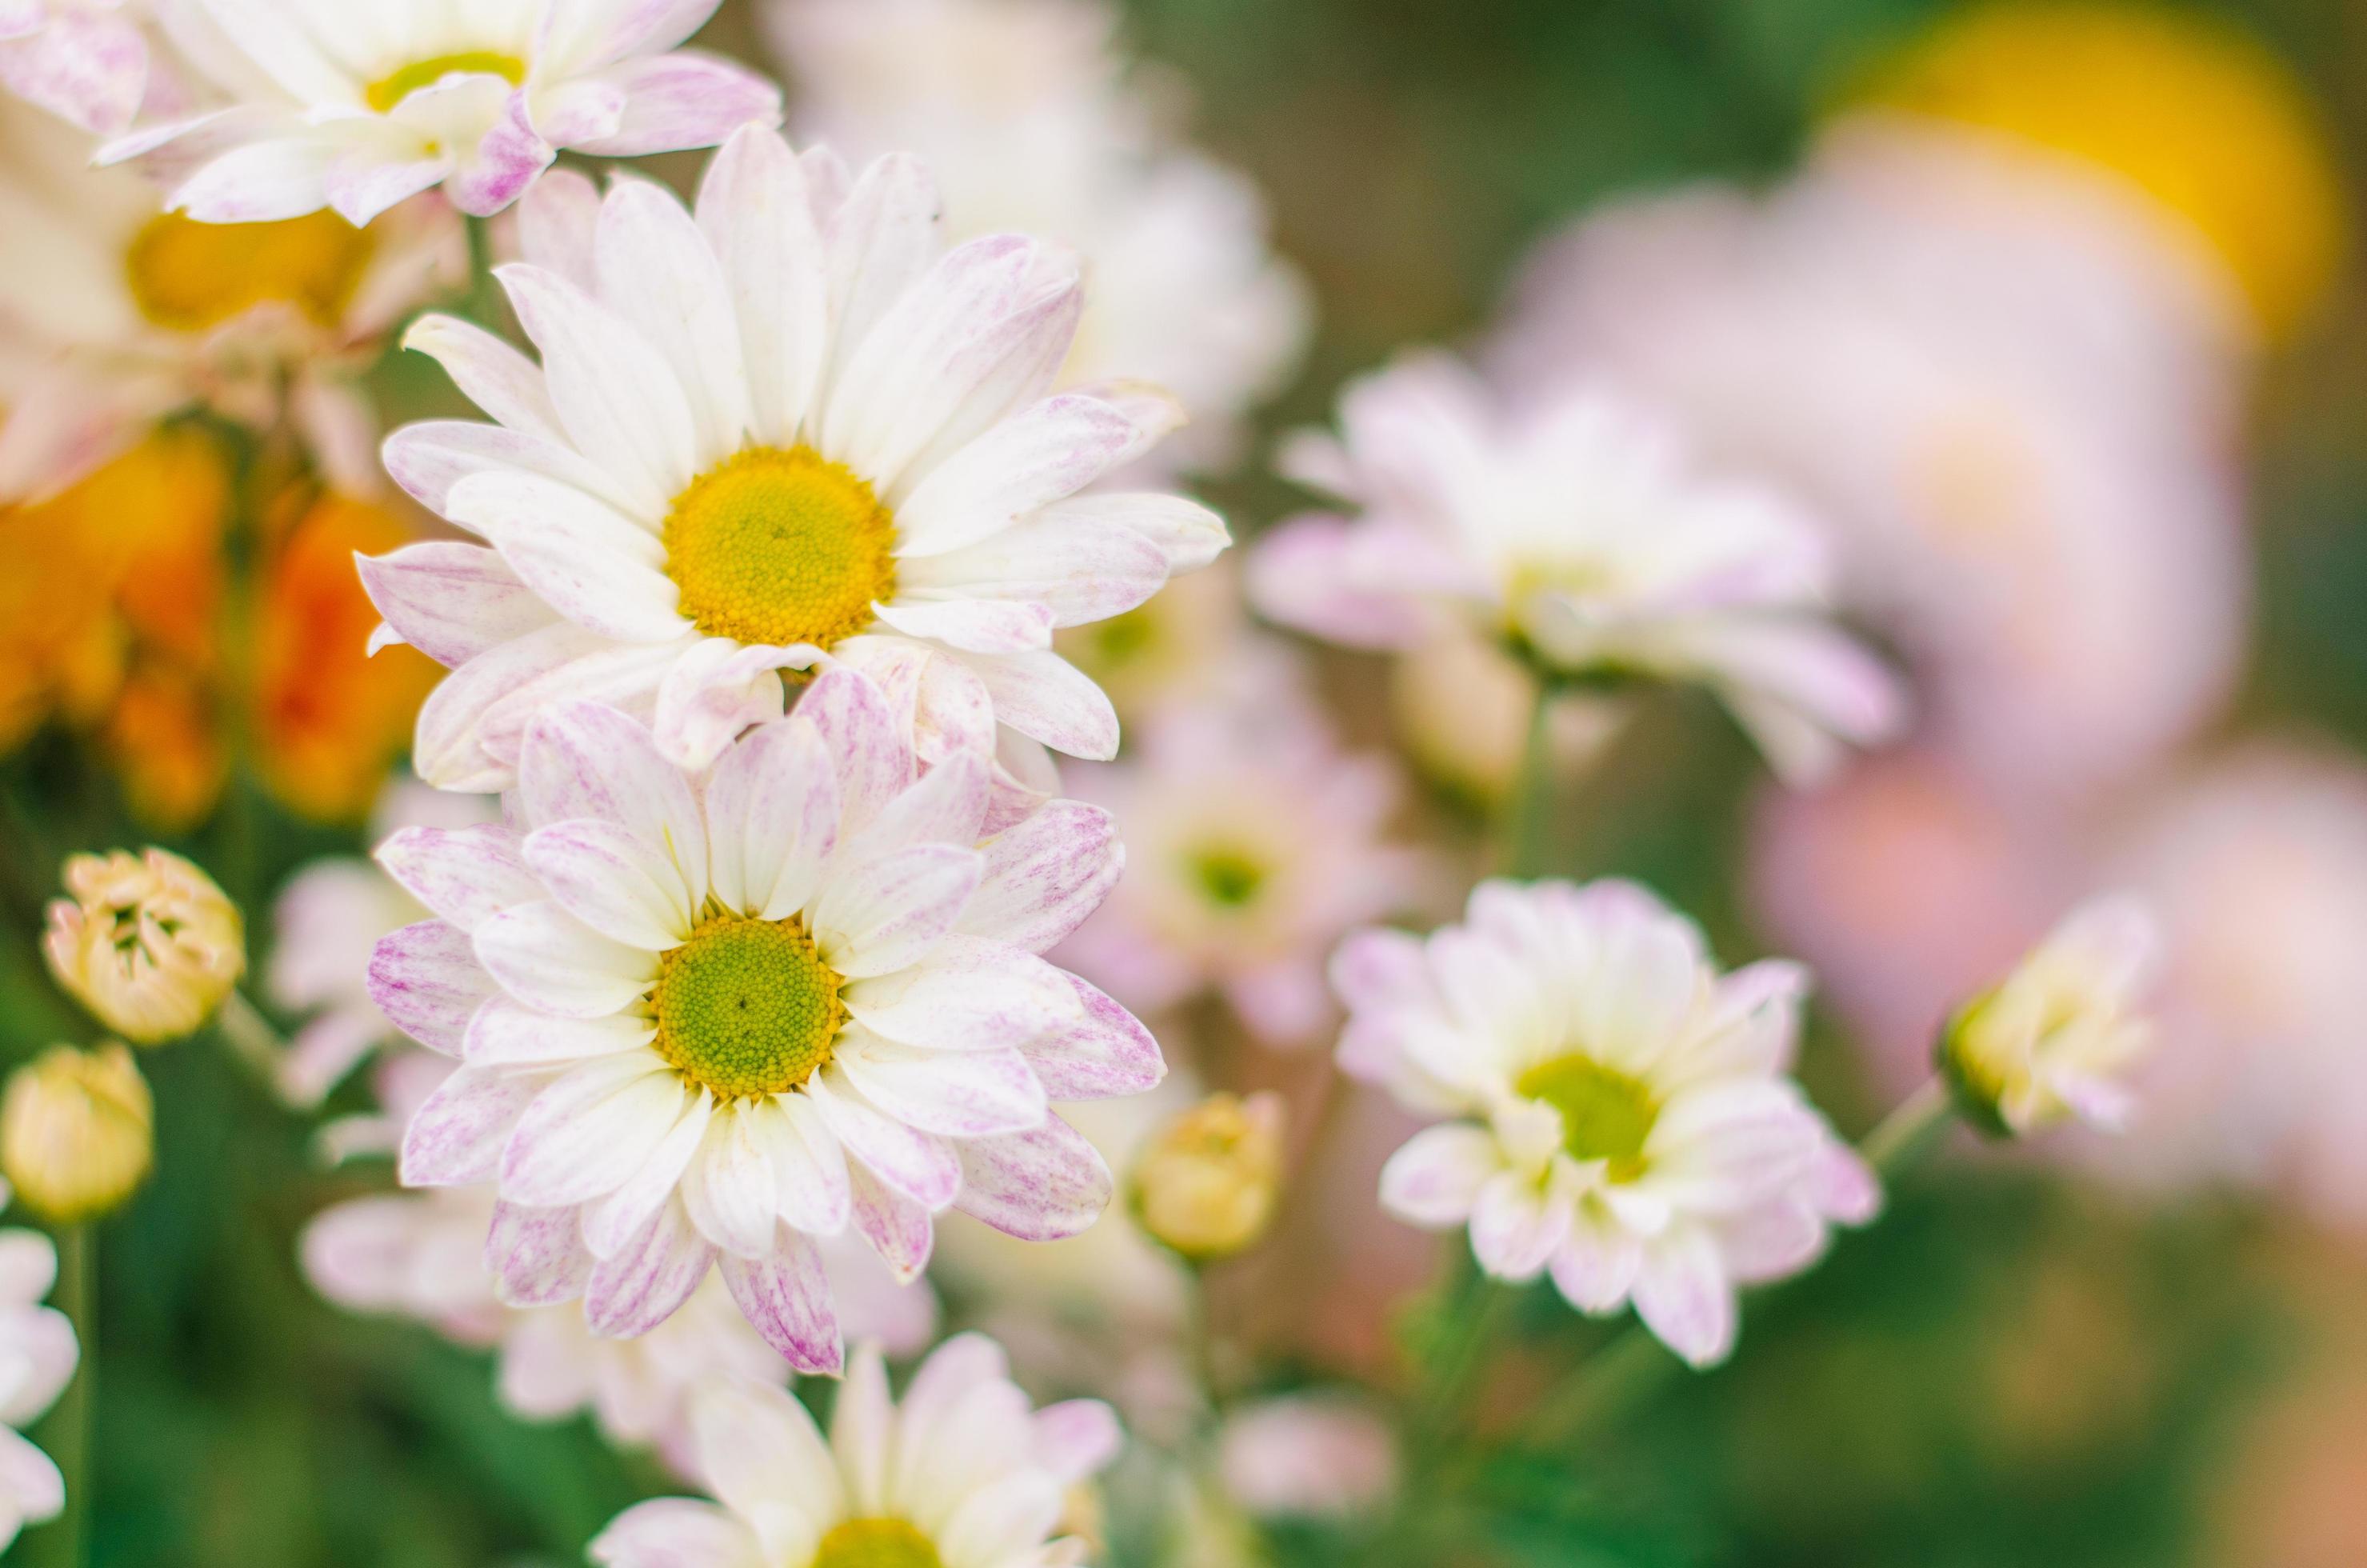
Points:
[2003,1373]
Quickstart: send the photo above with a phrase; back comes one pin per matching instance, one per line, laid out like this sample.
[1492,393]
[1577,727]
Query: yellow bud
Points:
[76,1131]
[147,942]
[1205,1184]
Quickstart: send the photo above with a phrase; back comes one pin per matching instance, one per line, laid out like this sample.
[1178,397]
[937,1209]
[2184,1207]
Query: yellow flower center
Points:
[746,1007]
[877,1543]
[392,88]
[774,546]
[189,275]
[1605,1115]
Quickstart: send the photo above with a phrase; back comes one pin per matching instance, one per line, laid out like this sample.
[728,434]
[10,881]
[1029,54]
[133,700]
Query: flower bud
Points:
[147,942]
[1206,1183]
[76,1131]
[2053,1040]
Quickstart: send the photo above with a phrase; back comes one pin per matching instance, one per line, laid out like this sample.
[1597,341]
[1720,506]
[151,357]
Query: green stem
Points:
[1478,1313]
[66,1433]
[484,300]
[1628,1368]
[1528,839]
[250,1037]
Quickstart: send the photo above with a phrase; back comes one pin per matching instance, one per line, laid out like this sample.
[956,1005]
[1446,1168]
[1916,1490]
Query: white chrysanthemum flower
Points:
[422,1255]
[354,107]
[1025,110]
[1254,843]
[723,1014]
[114,316]
[1622,1116]
[964,1473]
[2055,1038]
[85,61]
[1572,525]
[791,430]
[38,1356]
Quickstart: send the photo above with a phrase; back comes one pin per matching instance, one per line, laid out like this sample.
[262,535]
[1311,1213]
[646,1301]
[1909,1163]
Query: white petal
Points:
[1040,1185]
[616,394]
[786,1296]
[1435,1179]
[457,1135]
[466,876]
[536,1255]
[811,1190]
[551,960]
[728,1190]
[1045,874]
[1050,451]
[901,907]
[1044,697]
[916,1165]
[873,755]
[426,980]
[658,273]
[758,218]
[771,813]
[641,1287]
[582,557]
[676,1532]
[591,1130]
[451,601]
[491,374]
[584,759]
[1683,1295]
[969,995]
[607,877]
[759,1452]
[956,1094]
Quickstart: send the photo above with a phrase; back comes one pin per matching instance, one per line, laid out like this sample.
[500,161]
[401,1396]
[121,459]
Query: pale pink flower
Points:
[39,1354]
[1576,527]
[1617,1112]
[1315,1455]
[964,1473]
[1253,843]
[2015,408]
[85,61]
[715,1017]
[791,430]
[358,105]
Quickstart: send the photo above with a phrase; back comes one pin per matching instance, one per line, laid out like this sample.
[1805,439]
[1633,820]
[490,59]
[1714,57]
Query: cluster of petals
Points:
[801,309]
[624,1180]
[963,1471]
[38,1353]
[356,107]
[84,61]
[1573,525]
[1618,1112]
[421,1255]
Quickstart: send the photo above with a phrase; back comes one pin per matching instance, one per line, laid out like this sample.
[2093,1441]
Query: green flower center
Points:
[746,1007]
[877,1543]
[1229,877]
[774,546]
[391,89]
[1605,1116]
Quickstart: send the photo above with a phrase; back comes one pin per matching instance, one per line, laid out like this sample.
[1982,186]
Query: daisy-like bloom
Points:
[963,1473]
[791,430]
[1025,110]
[1571,526]
[355,108]
[422,1255]
[77,1132]
[114,316]
[147,942]
[2057,1035]
[723,1014]
[1622,1116]
[85,61]
[38,1356]
[1253,844]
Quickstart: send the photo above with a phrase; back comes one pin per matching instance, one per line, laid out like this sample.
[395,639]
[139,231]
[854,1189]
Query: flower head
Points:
[1207,1182]
[722,1014]
[77,1132]
[2053,1040]
[1572,527]
[85,61]
[147,942]
[789,430]
[964,1473]
[1621,1116]
[354,108]
[37,1357]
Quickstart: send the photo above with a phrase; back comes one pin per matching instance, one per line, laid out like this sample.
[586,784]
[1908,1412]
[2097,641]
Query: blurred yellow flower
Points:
[1207,1183]
[2198,115]
[147,942]
[331,718]
[77,1132]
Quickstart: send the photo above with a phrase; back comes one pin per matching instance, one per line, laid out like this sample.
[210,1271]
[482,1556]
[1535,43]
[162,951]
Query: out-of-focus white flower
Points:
[1621,1113]
[113,314]
[2056,1037]
[1024,109]
[965,1473]
[85,61]
[1320,1455]
[147,942]
[1574,527]
[327,923]
[2013,404]
[422,1255]
[354,107]
[720,1016]
[1189,643]
[38,1356]
[1252,845]
[792,431]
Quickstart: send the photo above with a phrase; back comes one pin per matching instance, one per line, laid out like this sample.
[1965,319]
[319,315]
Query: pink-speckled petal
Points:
[536,1255]
[899,1229]
[586,760]
[915,1164]
[1045,874]
[449,600]
[954,1093]
[466,876]
[1103,1053]
[647,1280]
[873,755]
[426,980]
[786,1296]
[1040,1185]
[457,1137]
[717,688]
[681,99]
